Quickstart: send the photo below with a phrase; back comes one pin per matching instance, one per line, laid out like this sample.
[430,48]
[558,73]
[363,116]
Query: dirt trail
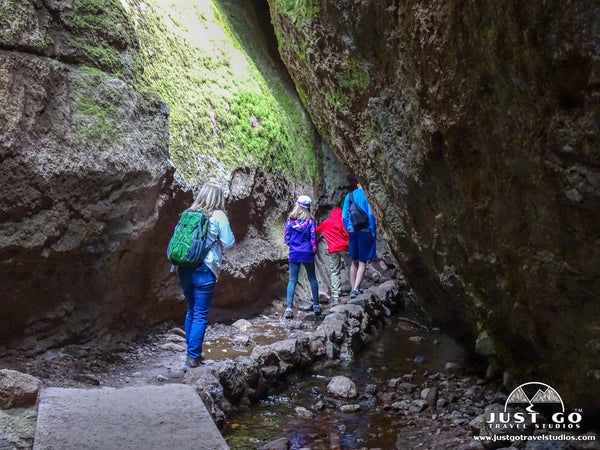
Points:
[156,358]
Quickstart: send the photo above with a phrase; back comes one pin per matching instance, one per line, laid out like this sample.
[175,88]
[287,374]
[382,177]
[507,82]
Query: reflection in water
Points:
[390,355]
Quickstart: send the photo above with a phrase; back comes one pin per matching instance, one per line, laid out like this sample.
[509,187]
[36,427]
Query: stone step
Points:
[170,416]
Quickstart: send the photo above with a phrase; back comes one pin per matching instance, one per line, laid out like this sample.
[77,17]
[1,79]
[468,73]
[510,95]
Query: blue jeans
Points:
[198,286]
[312,279]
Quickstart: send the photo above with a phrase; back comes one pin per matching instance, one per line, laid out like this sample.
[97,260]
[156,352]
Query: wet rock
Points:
[367,401]
[319,405]
[392,383]
[430,395]
[303,413]
[349,408]
[388,397]
[342,387]
[371,389]
[241,340]
[17,389]
[171,346]
[436,376]
[417,406]
[402,405]
[416,339]
[242,325]
[278,444]
[406,388]
[333,403]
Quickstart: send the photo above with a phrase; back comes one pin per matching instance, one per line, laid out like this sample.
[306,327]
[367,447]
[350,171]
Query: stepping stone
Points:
[171,416]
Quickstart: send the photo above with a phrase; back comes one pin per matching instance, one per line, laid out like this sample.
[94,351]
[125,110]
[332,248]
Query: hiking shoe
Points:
[317,310]
[288,314]
[354,293]
[192,362]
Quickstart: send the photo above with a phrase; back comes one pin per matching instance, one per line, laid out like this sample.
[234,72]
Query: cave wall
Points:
[474,127]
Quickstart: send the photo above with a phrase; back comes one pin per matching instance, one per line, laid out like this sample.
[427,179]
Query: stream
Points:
[403,350]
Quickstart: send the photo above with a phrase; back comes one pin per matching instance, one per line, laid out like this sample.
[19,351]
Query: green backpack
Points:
[187,247]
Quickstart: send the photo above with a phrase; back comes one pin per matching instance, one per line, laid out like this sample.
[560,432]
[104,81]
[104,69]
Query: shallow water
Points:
[390,355]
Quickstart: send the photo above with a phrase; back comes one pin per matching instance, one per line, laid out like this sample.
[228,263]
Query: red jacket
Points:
[334,232]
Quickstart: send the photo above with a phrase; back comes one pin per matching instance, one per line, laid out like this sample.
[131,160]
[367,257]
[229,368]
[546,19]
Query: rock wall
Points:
[474,127]
[85,179]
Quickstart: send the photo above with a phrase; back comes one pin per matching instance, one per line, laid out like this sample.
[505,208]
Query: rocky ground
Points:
[420,408]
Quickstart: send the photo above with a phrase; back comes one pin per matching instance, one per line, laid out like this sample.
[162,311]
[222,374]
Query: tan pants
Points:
[335,267]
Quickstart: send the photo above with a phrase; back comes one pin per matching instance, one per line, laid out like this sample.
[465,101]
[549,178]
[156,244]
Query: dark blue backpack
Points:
[359,218]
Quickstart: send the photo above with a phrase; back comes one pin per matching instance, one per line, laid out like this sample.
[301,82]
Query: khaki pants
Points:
[335,266]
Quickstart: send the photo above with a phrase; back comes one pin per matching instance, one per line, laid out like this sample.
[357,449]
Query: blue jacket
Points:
[361,200]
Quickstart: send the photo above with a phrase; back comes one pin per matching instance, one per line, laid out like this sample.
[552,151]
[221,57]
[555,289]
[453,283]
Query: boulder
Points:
[342,387]
[17,389]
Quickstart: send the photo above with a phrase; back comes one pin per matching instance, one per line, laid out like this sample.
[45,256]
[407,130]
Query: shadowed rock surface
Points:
[475,128]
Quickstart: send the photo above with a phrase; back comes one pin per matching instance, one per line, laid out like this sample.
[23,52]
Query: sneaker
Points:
[353,294]
[288,314]
[317,310]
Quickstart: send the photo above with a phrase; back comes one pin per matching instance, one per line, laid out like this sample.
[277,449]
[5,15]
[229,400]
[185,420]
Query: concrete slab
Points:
[170,416]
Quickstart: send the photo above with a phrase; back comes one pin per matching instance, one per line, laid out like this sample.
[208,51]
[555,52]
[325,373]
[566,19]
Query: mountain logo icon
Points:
[534,393]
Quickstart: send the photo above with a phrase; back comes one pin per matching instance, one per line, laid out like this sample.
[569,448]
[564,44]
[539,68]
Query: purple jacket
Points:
[301,237]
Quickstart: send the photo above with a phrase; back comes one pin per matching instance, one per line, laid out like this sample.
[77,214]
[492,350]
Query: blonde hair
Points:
[209,199]
[301,213]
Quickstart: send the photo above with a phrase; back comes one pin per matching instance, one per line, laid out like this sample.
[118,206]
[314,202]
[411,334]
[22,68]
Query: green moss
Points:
[98,30]
[95,117]
[222,111]
[299,11]
[337,99]
[100,54]
[353,76]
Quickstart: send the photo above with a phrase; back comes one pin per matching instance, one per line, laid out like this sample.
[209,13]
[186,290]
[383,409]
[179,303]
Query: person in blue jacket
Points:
[359,221]
[198,283]
[301,237]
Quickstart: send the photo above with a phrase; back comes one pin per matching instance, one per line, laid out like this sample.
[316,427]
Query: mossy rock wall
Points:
[224,111]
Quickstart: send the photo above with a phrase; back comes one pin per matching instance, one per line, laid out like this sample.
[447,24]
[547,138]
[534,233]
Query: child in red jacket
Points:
[336,237]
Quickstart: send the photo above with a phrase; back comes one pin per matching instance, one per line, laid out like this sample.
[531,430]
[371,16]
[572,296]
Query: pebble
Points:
[349,408]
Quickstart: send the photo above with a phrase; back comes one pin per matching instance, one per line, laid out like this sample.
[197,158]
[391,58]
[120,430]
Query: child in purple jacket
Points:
[301,237]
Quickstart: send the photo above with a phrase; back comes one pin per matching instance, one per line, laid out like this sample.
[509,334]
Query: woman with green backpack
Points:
[198,283]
